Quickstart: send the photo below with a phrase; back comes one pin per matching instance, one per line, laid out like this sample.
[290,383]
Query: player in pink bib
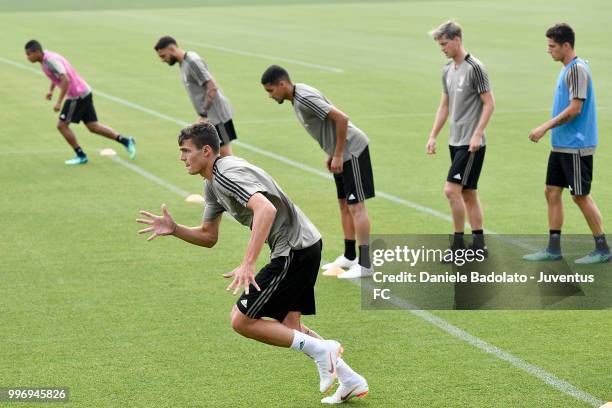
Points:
[77,98]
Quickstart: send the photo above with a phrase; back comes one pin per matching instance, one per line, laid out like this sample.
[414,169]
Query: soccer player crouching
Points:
[284,289]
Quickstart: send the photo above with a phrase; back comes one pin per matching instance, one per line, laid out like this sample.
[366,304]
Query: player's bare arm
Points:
[264,213]
[50,93]
[63,91]
[569,113]
[211,94]
[205,235]
[341,121]
[488,106]
[440,120]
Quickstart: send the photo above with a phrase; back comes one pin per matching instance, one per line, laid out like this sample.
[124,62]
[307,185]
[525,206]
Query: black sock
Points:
[349,249]
[478,239]
[123,140]
[458,241]
[601,244]
[364,256]
[554,241]
[79,152]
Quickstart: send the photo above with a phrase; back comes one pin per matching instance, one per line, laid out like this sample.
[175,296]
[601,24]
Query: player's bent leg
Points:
[64,129]
[266,331]
[81,157]
[102,130]
[99,129]
[351,383]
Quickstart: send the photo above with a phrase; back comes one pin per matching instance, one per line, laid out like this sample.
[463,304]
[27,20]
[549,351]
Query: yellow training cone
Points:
[108,152]
[333,271]
[195,198]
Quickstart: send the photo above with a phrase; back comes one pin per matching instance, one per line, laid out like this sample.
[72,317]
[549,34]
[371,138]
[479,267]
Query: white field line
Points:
[272,58]
[442,324]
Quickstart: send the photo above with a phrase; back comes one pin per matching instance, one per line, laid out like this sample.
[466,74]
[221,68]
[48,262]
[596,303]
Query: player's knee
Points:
[92,126]
[580,199]
[239,322]
[451,192]
[552,193]
[61,125]
[356,209]
[343,205]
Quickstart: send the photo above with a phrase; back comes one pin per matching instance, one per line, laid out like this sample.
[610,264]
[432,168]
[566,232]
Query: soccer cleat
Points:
[357,271]
[594,257]
[340,262]
[131,148]
[326,363]
[543,255]
[76,160]
[356,387]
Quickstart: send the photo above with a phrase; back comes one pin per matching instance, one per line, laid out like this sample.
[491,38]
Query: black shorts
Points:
[570,170]
[226,131]
[466,166]
[287,285]
[79,109]
[356,182]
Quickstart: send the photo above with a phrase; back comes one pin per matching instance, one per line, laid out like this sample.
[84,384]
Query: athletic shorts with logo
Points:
[570,170]
[226,132]
[79,109]
[356,182]
[287,285]
[465,166]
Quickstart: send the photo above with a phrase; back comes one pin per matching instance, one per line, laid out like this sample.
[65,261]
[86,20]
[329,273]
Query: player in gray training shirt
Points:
[206,96]
[348,158]
[468,101]
[284,289]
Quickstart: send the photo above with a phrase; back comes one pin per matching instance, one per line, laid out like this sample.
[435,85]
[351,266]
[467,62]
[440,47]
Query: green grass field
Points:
[87,303]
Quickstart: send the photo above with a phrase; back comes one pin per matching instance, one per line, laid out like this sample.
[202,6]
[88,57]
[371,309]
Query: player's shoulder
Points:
[192,56]
[229,164]
[580,66]
[474,64]
[306,90]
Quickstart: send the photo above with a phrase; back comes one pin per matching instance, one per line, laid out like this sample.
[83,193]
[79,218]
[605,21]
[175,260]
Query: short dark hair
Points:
[201,134]
[164,42]
[33,45]
[561,33]
[273,74]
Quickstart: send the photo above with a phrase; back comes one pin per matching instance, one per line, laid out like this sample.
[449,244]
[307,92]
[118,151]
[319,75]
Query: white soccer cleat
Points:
[326,363]
[340,262]
[356,387]
[357,271]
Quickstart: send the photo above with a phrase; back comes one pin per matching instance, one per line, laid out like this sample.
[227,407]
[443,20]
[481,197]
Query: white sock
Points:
[345,372]
[307,344]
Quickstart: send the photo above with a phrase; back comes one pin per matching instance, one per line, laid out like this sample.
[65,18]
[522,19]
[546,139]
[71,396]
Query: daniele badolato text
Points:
[422,256]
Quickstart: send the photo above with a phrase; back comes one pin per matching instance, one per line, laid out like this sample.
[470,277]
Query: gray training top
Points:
[234,182]
[195,74]
[312,108]
[464,84]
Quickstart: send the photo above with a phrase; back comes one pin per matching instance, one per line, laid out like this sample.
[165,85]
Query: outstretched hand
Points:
[159,225]
[243,275]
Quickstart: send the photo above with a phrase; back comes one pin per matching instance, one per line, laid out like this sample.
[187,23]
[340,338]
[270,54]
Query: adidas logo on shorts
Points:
[244,302]
[457,176]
